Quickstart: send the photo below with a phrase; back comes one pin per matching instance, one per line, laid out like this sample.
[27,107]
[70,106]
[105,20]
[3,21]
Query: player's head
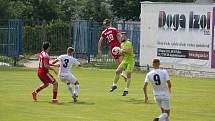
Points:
[70,50]
[156,63]
[46,45]
[107,22]
[123,37]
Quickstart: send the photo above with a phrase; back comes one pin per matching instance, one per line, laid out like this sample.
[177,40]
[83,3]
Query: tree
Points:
[96,10]
[4,11]
[130,9]
[126,9]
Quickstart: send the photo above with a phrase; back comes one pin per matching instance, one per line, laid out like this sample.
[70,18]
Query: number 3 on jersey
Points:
[66,61]
[157,79]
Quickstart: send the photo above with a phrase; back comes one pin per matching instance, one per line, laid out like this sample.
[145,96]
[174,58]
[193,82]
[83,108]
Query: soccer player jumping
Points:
[127,63]
[66,62]
[161,89]
[111,34]
[44,75]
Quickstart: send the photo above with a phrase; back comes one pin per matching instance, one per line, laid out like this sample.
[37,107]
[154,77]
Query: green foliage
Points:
[57,32]
[96,10]
[4,9]
[170,0]
[73,9]
[126,9]
[6,59]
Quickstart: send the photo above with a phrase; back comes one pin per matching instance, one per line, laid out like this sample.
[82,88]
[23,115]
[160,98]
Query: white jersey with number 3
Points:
[158,79]
[66,63]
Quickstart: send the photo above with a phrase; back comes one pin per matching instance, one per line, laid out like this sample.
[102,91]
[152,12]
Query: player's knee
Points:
[118,71]
[55,83]
[46,85]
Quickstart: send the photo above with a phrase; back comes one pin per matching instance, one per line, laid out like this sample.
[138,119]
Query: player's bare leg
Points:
[39,88]
[55,90]
[118,71]
[123,73]
[125,92]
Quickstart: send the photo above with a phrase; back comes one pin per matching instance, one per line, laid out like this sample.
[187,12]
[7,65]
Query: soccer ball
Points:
[116,51]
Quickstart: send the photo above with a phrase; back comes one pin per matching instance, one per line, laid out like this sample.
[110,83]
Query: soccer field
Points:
[192,99]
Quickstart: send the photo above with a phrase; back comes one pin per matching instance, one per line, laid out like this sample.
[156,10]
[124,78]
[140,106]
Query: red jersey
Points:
[110,34]
[43,58]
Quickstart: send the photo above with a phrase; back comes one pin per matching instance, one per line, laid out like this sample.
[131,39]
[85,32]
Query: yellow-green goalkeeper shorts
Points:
[127,66]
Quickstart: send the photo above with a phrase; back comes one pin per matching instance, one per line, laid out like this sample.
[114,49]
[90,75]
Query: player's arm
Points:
[168,81]
[128,49]
[54,63]
[37,55]
[99,45]
[169,85]
[78,63]
[47,65]
[119,34]
[145,91]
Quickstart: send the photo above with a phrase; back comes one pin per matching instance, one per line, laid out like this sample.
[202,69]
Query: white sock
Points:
[76,89]
[163,116]
[70,88]
[126,89]
[114,84]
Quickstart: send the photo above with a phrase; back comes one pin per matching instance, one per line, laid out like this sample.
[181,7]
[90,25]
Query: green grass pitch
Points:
[192,99]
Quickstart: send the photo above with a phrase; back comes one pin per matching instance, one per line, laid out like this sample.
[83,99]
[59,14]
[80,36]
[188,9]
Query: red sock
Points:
[54,95]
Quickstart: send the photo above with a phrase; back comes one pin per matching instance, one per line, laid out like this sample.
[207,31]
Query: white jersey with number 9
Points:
[158,79]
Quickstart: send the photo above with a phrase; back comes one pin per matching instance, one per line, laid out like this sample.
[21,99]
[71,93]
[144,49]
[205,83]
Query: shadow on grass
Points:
[80,103]
[65,103]
[138,101]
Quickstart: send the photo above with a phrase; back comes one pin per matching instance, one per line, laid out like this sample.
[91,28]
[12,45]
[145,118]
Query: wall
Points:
[171,32]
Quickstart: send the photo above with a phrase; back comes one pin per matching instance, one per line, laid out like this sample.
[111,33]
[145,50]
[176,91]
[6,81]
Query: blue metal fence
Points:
[18,38]
[86,35]
[10,41]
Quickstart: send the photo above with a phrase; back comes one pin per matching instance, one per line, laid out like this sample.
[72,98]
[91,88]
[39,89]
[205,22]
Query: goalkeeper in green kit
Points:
[127,63]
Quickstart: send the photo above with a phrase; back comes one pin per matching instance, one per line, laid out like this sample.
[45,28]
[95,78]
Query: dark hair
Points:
[106,22]
[156,60]
[46,45]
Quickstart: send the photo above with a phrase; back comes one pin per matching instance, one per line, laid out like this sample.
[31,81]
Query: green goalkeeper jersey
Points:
[127,57]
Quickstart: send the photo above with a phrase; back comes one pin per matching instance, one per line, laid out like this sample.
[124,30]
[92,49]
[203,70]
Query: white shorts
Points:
[68,78]
[163,102]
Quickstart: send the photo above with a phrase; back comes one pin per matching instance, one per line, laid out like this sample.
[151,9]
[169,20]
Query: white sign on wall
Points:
[177,34]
